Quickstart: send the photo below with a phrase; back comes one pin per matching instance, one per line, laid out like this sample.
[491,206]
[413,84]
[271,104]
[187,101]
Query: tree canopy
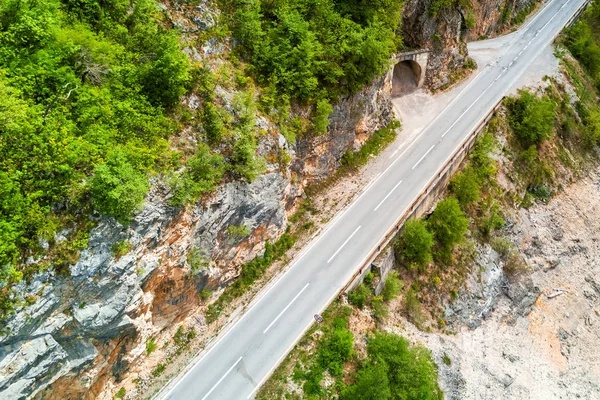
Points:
[85,91]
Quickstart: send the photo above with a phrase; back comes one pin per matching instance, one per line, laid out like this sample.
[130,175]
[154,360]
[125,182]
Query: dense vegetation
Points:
[313,51]
[583,41]
[85,87]
[394,370]
[390,370]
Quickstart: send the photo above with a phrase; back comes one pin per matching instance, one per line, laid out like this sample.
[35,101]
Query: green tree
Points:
[393,286]
[118,189]
[416,242]
[371,383]
[245,163]
[448,223]
[202,174]
[336,349]
[212,122]
[466,187]
[532,118]
[321,119]
[411,372]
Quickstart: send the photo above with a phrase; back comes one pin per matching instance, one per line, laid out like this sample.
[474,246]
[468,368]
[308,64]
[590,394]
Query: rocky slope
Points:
[80,334]
[533,337]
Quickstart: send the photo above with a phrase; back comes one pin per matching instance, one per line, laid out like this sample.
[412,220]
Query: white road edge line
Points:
[285,309]
[424,155]
[343,244]
[388,195]
[223,377]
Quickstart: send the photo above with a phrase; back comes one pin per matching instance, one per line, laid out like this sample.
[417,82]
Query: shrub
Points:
[359,296]
[158,370]
[202,174]
[502,246]
[150,345]
[245,163]
[514,264]
[212,122]
[380,310]
[416,242]
[205,294]
[118,189]
[532,118]
[321,118]
[448,223]
[121,393]
[446,359]
[237,232]
[412,306]
[196,260]
[121,248]
[393,286]
[336,349]
[466,187]
[411,372]
[371,383]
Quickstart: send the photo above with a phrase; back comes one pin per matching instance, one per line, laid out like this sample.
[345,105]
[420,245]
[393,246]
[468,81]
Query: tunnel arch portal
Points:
[409,71]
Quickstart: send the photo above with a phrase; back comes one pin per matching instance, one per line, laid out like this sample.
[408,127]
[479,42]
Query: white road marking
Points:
[467,110]
[285,309]
[388,195]
[223,377]
[342,246]
[424,155]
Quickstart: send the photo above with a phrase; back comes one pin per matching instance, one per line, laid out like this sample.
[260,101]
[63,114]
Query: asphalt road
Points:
[246,355]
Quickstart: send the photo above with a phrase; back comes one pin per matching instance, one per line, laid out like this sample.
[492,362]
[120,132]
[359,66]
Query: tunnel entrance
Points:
[406,78]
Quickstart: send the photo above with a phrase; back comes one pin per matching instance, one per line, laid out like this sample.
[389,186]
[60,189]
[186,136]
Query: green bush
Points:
[359,296]
[372,147]
[118,189]
[583,41]
[415,242]
[395,370]
[120,394]
[412,306]
[238,232]
[448,223]
[205,294]
[158,370]
[371,383]
[196,260]
[336,348]
[380,310]
[466,187]
[121,248]
[203,172]
[212,122]
[150,345]
[393,286]
[532,118]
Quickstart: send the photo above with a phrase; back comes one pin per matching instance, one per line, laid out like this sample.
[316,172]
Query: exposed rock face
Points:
[353,120]
[441,34]
[445,33]
[494,16]
[91,317]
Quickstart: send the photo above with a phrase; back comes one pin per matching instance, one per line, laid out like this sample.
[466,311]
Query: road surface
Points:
[236,366]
